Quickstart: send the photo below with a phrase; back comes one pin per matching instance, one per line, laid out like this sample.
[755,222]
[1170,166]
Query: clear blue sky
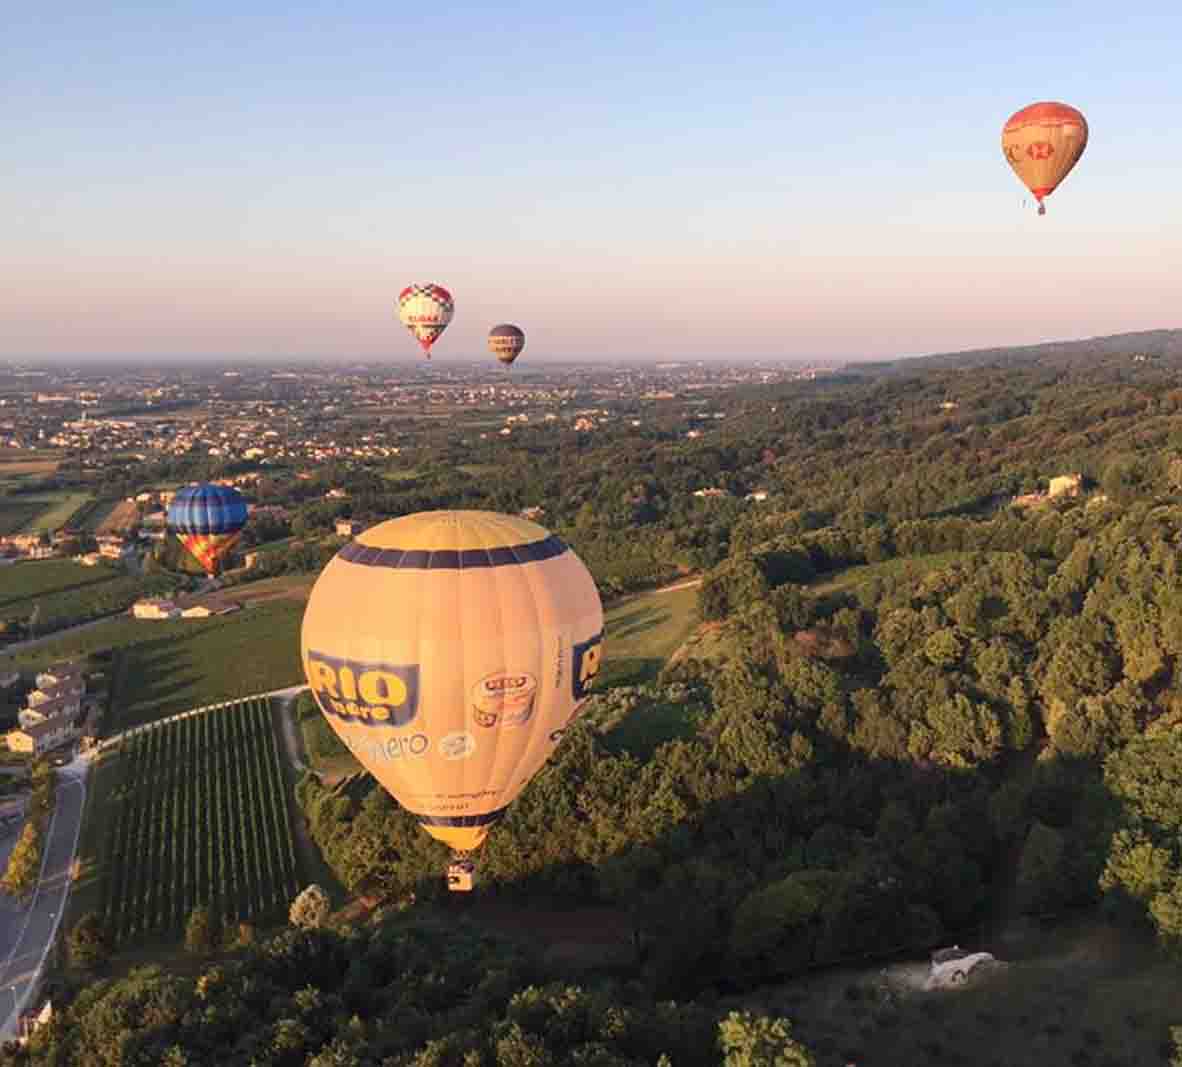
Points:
[642,179]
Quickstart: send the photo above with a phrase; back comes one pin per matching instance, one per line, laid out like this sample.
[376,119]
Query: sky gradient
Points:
[621,180]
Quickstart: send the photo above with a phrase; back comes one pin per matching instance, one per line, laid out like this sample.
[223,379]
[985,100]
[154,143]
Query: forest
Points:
[926,705]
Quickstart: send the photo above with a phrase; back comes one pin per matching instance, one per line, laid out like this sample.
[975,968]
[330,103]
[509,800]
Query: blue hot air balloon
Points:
[208,520]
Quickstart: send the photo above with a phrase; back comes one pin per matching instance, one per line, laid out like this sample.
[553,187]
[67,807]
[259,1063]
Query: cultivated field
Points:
[57,510]
[19,465]
[16,512]
[65,593]
[200,818]
[168,666]
[202,661]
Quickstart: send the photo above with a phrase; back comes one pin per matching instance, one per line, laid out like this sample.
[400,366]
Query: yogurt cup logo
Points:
[506,696]
[459,745]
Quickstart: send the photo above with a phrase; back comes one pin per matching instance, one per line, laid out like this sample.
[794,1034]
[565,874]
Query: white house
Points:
[152,608]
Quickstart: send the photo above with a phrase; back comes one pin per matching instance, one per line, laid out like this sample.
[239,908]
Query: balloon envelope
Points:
[1042,143]
[450,650]
[506,342]
[208,520]
[425,309]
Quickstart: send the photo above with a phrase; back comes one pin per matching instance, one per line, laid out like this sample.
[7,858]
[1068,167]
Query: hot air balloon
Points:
[425,309]
[449,650]
[1042,143]
[506,342]
[208,520]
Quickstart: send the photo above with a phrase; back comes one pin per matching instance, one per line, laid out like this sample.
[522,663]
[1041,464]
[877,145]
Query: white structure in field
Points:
[952,966]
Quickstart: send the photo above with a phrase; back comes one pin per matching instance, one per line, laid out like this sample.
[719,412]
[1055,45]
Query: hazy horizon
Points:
[813,185]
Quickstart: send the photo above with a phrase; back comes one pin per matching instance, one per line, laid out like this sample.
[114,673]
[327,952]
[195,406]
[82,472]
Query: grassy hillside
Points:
[642,631]
[170,666]
[201,661]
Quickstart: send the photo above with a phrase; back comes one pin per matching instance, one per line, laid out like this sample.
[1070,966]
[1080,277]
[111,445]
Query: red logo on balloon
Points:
[1040,150]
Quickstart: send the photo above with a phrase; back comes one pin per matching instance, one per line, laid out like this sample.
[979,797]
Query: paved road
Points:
[26,932]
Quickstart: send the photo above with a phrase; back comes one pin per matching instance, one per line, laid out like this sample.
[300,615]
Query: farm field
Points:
[57,509]
[202,661]
[65,593]
[19,465]
[16,512]
[170,666]
[200,818]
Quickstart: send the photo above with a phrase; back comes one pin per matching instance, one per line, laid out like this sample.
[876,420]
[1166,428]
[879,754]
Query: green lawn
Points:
[641,632]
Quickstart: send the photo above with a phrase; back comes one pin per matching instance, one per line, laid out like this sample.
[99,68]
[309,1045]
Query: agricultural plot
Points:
[16,512]
[171,666]
[65,593]
[54,510]
[20,465]
[202,661]
[200,818]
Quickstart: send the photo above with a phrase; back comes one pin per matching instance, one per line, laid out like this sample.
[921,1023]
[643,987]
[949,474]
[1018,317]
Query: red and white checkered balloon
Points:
[425,309]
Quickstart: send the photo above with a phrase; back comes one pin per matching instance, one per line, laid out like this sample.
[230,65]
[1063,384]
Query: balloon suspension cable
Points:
[1042,208]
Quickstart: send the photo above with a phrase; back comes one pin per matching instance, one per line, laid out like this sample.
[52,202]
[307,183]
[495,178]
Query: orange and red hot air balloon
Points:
[1042,143]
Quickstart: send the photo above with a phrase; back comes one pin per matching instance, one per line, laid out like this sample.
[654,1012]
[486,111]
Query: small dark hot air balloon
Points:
[506,342]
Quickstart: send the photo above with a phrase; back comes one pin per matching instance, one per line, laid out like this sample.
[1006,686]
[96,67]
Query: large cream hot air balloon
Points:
[1042,143]
[450,650]
[425,309]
